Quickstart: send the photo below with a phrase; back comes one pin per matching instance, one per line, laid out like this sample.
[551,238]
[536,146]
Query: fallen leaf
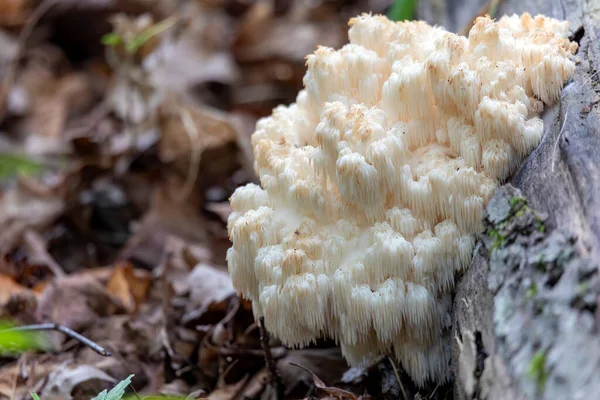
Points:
[37,254]
[76,302]
[27,205]
[13,12]
[200,143]
[227,392]
[54,100]
[35,368]
[201,50]
[222,209]
[169,216]
[327,365]
[333,391]
[62,381]
[8,288]
[208,287]
[129,285]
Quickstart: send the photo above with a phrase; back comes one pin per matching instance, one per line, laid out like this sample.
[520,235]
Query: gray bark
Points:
[525,313]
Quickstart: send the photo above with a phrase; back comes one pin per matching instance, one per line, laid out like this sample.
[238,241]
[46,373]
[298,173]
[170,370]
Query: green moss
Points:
[537,370]
[540,225]
[532,291]
[517,202]
[498,239]
[583,288]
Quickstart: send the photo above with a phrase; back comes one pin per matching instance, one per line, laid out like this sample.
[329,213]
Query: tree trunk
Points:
[525,313]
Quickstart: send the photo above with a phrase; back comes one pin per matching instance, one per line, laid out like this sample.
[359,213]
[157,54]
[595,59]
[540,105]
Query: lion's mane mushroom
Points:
[374,182]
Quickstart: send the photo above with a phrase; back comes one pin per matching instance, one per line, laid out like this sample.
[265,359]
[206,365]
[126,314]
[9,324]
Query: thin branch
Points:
[271,367]
[196,151]
[398,377]
[64,330]
[11,72]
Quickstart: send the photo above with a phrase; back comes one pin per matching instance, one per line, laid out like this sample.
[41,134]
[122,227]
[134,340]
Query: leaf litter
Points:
[125,129]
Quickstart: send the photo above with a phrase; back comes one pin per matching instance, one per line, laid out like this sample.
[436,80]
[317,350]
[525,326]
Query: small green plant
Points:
[133,45]
[14,164]
[403,10]
[532,291]
[117,392]
[537,370]
[497,239]
[16,342]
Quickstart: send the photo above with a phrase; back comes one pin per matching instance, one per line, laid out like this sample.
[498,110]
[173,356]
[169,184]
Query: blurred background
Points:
[124,128]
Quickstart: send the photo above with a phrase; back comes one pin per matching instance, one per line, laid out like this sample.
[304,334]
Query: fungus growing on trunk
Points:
[374,182]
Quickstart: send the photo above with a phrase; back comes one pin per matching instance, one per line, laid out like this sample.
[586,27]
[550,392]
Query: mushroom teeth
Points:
[373,183]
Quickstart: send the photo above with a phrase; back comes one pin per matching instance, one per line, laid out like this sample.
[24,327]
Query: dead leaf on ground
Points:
[54,100]
[332,391]
[14,12]
[327,364]
[168,216]
[227,392]
[36,368]
[209,287]
[201,50]
[76,301]
[8,288]
[62,381]
[222,209]
[129,285]
[27,205]
[36,249]
[200,143]
[261,37]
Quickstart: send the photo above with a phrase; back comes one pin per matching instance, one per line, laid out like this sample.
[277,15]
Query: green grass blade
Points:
[403,10]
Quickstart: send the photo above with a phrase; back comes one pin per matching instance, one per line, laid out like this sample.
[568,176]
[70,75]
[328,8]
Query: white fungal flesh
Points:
[375,181]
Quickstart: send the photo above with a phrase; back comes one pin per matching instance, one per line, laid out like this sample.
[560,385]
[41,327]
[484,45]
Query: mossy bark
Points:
[525,313]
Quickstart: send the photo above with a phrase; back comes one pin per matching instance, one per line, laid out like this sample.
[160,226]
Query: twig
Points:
[64,330]
[11,72]
[271,367]
[196,149]
[398,377]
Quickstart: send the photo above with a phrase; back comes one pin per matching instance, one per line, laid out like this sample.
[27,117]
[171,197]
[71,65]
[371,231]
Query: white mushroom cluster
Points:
[374,182]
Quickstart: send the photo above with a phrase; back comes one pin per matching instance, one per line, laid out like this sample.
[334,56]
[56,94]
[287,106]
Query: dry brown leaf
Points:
[13,12]
[168,216]
[256,384]
[261,36]
[333,391]
[37,253]
[201,51]
[8,288]
[201,136]
[129,285]
[208,286]
[228,392]
[222,209]
[62,381]
[53,101]
[327,364]
[36,368]
[76,302]
[27,205]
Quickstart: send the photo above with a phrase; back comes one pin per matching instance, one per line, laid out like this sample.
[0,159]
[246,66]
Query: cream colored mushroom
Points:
[374,182]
